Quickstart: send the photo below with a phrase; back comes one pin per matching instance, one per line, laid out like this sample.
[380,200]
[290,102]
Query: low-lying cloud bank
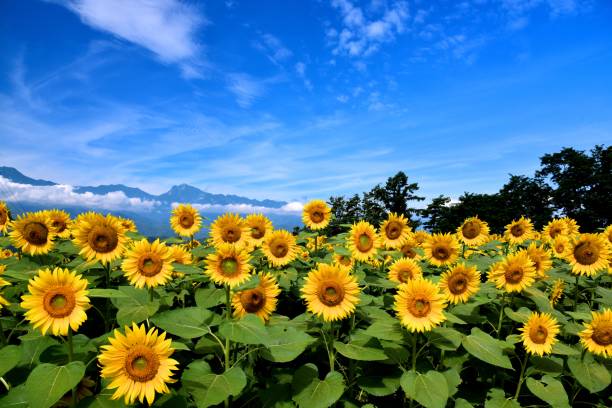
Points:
[292,208]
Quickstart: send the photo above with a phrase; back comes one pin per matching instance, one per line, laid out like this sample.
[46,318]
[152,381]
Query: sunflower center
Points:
[458,283]
[59,226]
[404,275]
[602,334]
[471,229]
[279,249]
[331,293]
[514,275]
[586,253]
[364,243]
[555,231]
[150,264]
[408,251]
[103,239]
[393,229]
[59,302]
[231,234]
[344,260]
[3,216]
[559,248]
[419,307]
[257,232]
[36,233]
[538,334]
[517,230]
[441,252]
[253,300]
[229,266]
[317,216]
[141,363]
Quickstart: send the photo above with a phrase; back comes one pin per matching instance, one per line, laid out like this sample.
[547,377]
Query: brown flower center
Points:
[586,253]
[555,231]
[602,333]
[103,239]
[331,293]
[441,253]
[253,300]
[186,220]
[458,283]
[514,275]
[364,243]
[419,307]
[394,229]
[559,248]
[404,275]
[36,233]
[471,229]
[59,225]
[229,266]
[3,216]
[408,251]
[517,230]
[231,234]
[257,232]
[538,334]
[150,264]
[141,363]
[344,260]
[279,248]
[59,302]
[317,216]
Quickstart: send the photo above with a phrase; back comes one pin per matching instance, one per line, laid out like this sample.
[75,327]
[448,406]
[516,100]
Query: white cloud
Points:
[300,69]
[165,27]
[246,88]
[272,48]
[292,208]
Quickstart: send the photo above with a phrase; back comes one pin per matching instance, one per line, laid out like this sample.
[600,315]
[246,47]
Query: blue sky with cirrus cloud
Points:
[297,100]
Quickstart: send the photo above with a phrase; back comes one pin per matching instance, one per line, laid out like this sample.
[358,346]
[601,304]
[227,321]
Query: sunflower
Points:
[518,231]
[128,224]
[539,333]
[554,228]
[4,217]
[421,236]
[280,248]
[5,253]
[229,265]
[408,249]
[560,246]
[344,260]
[513,274]
[148,264]
[99,237]
[403,270]
[607,233]
[259,227]
[419,305]
[597,335]
[460,283]
[473,231]
[330,292]
[588,254]
[316,214]
[363,241]
[56,301]
[3,301]
[572,227]
[441,249]
[229,229]
[394,231]
[261,300]
[185,220]
[180,254]
[320,241]
[60,222]
[138,364]
[32,233]
[540,258]
[556,291]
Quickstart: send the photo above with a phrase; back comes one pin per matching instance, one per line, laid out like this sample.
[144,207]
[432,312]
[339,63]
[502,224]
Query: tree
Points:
[438,215]
[344,211]
[394,196]
[527,196]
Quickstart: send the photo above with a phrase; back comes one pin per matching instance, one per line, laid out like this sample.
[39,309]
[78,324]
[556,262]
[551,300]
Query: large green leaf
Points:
[429,390]
[497,399]
[486,348]
[284,344]
[47,383]
[209,297]
[589,373]
[135,307]
[106,293]
[188,323]
[15,398]
[385,329]
[446,338]
[549,390]
[32,346]
[9,358]
[357,352]
[248,330]
[380,385]
[208,388]
[309,391]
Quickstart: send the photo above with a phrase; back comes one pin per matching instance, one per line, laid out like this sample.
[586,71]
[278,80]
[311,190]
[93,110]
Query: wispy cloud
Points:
[300,70]
[246,88]
[273,48]
[292,208]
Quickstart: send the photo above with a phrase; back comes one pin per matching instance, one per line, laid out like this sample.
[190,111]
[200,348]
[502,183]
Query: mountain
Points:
[130,192]
[189,194]
[14,175]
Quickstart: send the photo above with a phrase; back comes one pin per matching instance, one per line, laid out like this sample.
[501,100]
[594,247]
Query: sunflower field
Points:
[93,314]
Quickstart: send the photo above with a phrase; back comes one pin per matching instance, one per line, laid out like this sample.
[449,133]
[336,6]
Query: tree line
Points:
[570,183]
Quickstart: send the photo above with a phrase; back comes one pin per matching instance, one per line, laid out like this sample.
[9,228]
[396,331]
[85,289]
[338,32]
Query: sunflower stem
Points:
[316,242]
[2,337]
[576,292]
[414,351]
[107,269]
[226,351]
[330,349]
[522,376]
[70,359]
[501,315]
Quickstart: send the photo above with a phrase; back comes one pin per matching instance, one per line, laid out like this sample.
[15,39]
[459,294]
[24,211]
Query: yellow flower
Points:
[101,238]
[473,231]
[441,249]
[363,241]
[228,266]
[560,246]
[554,228]
[408,250]
[608,234]
[419,305]
[138,364]
[421,236]
[229,229]
[5,253]
[518,231]
[344,260]
[180,255]
[259,227]
[4,217]
[597,335]
[540,258]
[316,214]
[185,220]
[128,224]
[32,233]
[403,270]
[513,274]
[280,248]
[557,291]
[320,240]
[571,226]
[588,254]
[148,264]
[539,333]
[261,300]
[3,301]
[395,231]
[330,292]
[60,222]
[460,283]
[56,301]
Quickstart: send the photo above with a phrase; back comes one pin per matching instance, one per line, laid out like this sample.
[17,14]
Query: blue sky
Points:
[294,100]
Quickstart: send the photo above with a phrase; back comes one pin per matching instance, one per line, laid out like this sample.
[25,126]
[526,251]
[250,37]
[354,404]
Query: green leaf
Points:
[362,353]
[589,373]
[32,346]
[186,269]
[209,297]
[461,403]
[486,348]
[106,293]
[385,329]
[520,316]
[453,379]
[446,338]
[208,388]
[429,390]
[135,307]
[564,350]
[378,385]
[309,391]
[549,390]
[47,383]
[9,358]
[187,323]
[16,398]
[497,399]
[285,344]
[248,330]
